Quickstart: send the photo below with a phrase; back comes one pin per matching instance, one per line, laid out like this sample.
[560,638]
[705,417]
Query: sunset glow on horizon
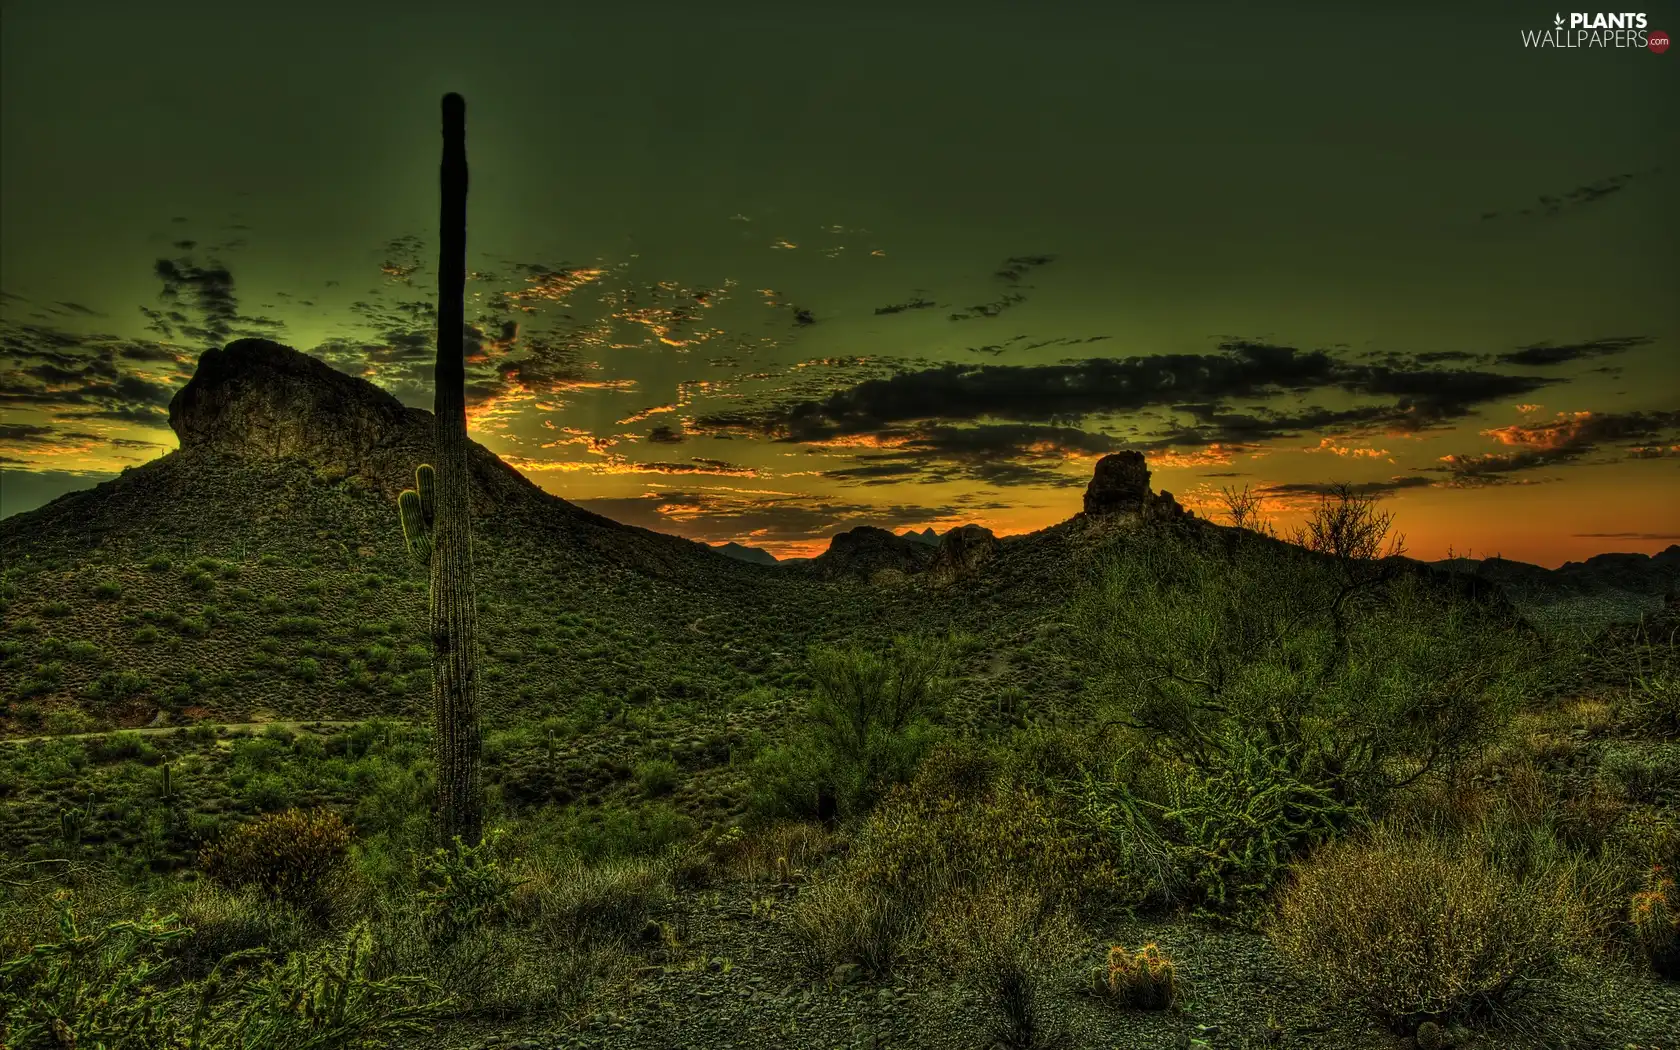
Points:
[925,279]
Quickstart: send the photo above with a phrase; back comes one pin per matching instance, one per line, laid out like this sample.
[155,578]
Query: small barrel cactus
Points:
[1430,1036]
[1654,914]
[1143,979]
[418,506]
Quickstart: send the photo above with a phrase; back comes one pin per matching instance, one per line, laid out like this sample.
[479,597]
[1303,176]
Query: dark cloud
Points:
[989,309]
[911,304]
[768,519]
[1542,354]
[1549,205]
[203,305]
[80,376]
[1364,488]
[403,257]
[1419,396]
[1001,455]
[26,433]
[664,434]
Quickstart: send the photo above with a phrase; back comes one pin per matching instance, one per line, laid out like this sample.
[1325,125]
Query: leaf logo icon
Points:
[1557,20]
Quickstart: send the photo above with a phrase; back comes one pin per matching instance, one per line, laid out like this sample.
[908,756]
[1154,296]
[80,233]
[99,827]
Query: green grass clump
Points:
[867,726]
[657,777]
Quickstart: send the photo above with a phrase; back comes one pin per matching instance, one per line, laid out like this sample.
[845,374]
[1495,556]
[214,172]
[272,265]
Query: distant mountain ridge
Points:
[1614,586]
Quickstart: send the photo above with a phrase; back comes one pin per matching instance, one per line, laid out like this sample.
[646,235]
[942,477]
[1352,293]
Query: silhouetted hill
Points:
[866,550]
[741,552]
[1605,587]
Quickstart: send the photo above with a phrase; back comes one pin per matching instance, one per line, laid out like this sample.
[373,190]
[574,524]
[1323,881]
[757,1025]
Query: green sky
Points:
[1277,247]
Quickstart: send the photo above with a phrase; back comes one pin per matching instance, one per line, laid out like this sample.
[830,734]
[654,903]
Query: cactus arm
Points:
[425,482]
[417,533]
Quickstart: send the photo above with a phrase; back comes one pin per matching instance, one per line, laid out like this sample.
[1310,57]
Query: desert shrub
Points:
[608,832]
[837,921]
[461,886]
[123,747]
[920,846]
[1415,929]
[1144,980]
[291,856]
[1007,944]
[657,776]
[787,852]
[1361,686]
[1654,916]
[866,727]
[330,998]
[93,989]
[1243,818]
[1643,777]
[107,589]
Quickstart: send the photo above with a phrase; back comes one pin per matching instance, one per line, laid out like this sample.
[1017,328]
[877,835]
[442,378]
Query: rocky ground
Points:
[741,986]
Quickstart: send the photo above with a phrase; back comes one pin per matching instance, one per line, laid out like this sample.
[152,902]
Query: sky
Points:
[749,272]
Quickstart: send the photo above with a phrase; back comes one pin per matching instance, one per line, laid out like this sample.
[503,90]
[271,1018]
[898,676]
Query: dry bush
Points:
[1007,944]
[1415,929]
[223,921]
[922,846]
[293,856]
[841,921]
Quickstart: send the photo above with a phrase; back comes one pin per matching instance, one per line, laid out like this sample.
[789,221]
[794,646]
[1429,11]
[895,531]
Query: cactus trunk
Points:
[460,809]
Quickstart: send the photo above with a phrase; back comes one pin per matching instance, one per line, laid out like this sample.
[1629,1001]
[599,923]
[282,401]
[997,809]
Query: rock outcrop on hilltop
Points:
[962,550]
[1120,485]
[257,399]
[866,550]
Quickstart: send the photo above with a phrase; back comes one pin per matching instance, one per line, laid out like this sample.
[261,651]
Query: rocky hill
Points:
[260,568]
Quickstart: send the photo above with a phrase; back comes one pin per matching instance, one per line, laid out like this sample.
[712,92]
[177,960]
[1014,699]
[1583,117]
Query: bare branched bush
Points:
[1245,509]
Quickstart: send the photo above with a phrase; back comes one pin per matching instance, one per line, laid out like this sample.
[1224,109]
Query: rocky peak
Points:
[962,549]
[1120,485]
[866,550]
[257,398]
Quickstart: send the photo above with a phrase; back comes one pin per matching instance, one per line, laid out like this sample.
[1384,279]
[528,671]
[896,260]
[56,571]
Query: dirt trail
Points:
[148,730]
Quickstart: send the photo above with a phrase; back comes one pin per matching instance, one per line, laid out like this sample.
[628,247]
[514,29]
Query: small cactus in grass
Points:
[418,506]
[1654,914]
[1430,1036]
[168,781]
[1143,979]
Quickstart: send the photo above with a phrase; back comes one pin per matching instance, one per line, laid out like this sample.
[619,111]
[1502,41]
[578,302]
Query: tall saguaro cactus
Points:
[460,797]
